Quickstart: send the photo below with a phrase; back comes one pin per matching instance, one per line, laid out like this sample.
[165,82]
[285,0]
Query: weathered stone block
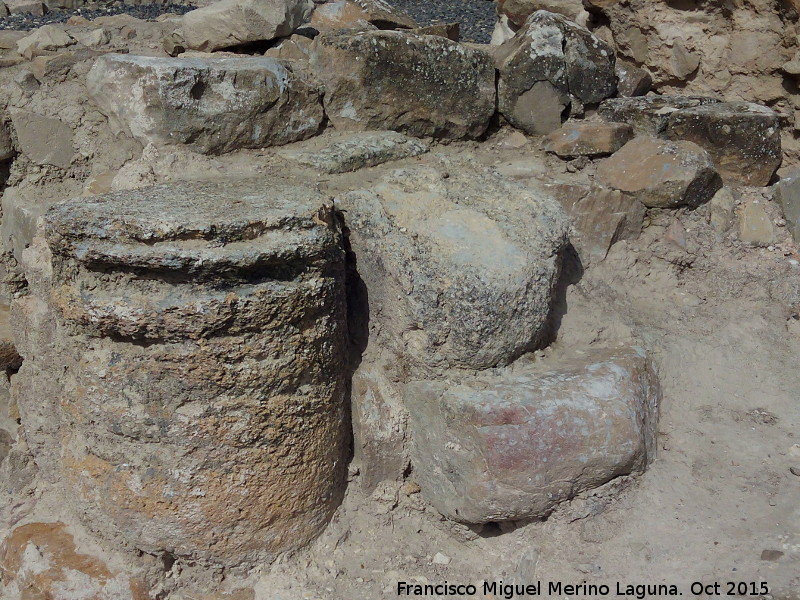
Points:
[359,14]
[661,174]
[185,366]
[417,84]
[586,138]
[234,22]
[601,217]
[44,140]
[514,445]
[549,48]
[648,115]
[460,270]
[214,105]
[632,80]
[743,139]
[358,150]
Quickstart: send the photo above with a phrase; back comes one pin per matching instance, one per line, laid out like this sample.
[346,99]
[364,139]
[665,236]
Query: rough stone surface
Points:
[632,80]
[40,560]
[601,217]
[44,140]
[359,150]
[648,115]
[787,194]
[755,225]
[26,7]
[380,424]
[723,210]
[48,37]
[460,270]
[234,22]
[354,14]
[743,139]
[185,366]
[295,47]
[513,445]
[214,105]
[586,138]
[551,49]
[416,84]
[661,174]
[518,11]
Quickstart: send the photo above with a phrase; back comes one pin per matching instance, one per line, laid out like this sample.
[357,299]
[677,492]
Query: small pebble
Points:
[795,471]
[441,559]
[771,555]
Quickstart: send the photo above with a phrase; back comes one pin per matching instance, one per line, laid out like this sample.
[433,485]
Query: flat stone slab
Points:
[214,105]
[357,151]
[498,447]
[587,138]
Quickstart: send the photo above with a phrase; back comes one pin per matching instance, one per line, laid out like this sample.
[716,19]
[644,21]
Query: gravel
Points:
[92,11]
[477,17]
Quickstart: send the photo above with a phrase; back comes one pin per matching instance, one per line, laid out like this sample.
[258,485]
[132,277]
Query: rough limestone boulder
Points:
[518,11]
[460,269]
[234,22]
[214,105]
[587,138]
[548,62]
[648,115]
[512,446]
[417,84]
[661,174]
[358,14]
[743,139]
[185,366]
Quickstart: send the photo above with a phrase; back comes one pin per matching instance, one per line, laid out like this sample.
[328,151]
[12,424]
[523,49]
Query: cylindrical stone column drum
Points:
[185,366]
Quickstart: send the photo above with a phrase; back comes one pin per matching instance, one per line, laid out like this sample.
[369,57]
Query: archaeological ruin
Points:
[354,299]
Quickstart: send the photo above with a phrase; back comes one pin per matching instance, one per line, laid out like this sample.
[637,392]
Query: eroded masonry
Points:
[256,258]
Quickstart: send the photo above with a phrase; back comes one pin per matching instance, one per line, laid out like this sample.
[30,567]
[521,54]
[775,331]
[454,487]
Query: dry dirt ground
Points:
[718,505]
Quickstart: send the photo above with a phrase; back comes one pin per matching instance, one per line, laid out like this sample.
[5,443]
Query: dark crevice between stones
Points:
[357,312]
[571,273]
